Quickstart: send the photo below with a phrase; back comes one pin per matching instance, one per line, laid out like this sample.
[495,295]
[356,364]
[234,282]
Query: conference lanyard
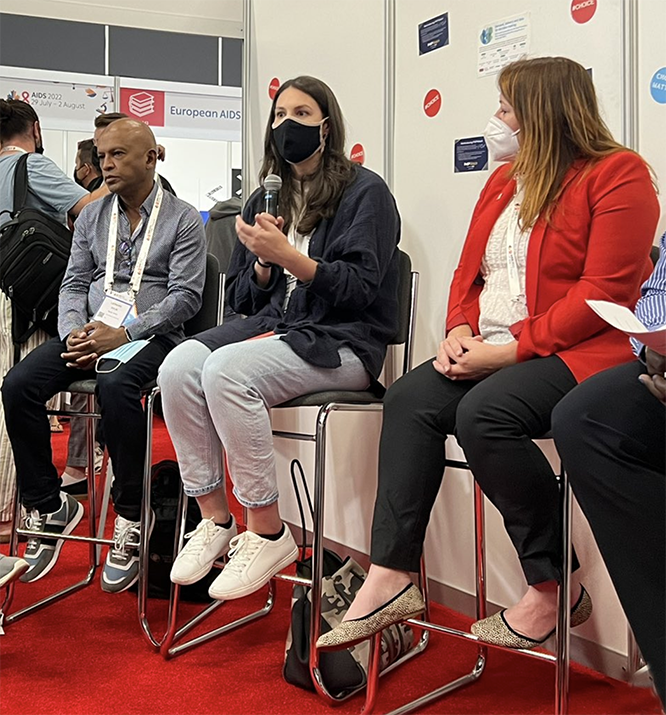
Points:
[137,275]
[14,148]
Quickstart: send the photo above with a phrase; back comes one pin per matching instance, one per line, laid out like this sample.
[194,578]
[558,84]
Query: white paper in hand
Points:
[623,319]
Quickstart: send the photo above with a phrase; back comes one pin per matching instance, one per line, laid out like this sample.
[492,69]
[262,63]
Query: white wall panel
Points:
[341,43]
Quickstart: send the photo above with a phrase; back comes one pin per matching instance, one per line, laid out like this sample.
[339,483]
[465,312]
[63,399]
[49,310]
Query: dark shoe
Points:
[497,631]
[406,604]
[42,554]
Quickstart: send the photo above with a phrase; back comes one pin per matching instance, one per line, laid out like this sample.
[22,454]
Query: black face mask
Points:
[296,142]
[39,149]
[76,178]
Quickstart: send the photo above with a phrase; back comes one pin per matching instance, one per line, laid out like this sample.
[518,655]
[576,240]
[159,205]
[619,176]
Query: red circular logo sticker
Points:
[357,154]
[583,10]
[432,102]
[273,87]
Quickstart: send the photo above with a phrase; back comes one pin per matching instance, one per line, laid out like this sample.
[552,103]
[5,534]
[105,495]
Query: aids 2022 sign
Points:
[61,105]
[195,115]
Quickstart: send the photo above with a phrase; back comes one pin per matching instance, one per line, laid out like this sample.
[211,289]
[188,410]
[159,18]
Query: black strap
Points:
[295,464]
[20,183]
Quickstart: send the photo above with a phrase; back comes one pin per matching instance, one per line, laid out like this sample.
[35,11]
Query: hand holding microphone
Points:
[265,239]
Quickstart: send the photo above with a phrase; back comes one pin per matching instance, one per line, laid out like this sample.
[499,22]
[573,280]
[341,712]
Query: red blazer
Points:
[597,247]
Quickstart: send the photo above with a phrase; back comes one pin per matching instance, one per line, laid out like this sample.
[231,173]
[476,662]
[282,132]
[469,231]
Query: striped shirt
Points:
[651,306]
[173,279]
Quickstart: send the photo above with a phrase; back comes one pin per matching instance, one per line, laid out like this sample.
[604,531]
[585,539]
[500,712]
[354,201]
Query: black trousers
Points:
[42,374]
[610,432]
[494,421]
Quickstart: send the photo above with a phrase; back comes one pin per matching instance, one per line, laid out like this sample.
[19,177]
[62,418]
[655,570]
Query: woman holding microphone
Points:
[318,286]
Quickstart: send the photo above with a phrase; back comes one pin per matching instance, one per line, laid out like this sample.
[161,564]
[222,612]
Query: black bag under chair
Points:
[164,502]
[342,671]
[34,251]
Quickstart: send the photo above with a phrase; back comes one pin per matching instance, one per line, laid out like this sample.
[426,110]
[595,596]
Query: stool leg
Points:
[480,553]
[564,604]
[94,531]
[13,551]
[318,551]
[142,600]
[480,568]
[174,592]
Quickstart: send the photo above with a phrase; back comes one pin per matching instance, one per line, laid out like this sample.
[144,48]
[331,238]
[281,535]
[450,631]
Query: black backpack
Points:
[34,251]
[166,486]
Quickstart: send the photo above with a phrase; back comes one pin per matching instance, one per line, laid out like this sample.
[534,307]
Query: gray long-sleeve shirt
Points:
[173,279]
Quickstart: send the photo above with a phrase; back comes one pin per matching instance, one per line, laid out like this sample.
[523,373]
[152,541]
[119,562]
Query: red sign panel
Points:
[432,103]
[273,87]
[583,10]
[357,154]
[145,105]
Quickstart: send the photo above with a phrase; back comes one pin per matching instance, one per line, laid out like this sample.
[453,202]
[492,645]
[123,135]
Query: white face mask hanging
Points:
[501,140]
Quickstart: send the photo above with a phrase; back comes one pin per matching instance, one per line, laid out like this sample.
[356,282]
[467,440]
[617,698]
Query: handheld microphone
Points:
[272,186]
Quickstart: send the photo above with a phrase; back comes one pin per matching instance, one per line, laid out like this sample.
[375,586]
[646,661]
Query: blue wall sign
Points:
[658,86]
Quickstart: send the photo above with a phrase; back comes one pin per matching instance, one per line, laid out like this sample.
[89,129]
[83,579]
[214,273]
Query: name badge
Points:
[117,309]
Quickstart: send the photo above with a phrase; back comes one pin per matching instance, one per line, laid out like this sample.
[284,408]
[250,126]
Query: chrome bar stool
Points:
[327,402]
[207,317]
[95,526]
[98,500]
[560,658]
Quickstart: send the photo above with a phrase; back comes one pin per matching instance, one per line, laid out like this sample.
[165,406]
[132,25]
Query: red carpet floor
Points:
[86,656]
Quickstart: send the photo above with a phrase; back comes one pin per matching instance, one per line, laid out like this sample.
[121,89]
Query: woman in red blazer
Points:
[570,218]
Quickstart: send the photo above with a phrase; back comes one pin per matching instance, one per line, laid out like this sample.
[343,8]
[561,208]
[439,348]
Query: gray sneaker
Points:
[121,568]
[11,567]
[42,554]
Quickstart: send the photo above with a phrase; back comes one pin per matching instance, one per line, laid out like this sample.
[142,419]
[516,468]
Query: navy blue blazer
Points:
[353,298]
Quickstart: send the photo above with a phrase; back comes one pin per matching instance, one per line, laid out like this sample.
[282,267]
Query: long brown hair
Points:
[334,173]
[556,106]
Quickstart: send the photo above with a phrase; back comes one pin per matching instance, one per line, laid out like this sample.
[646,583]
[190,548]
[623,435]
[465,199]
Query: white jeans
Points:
[222,398]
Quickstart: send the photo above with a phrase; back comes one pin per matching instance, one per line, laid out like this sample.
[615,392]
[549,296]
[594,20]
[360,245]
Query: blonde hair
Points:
[556,106]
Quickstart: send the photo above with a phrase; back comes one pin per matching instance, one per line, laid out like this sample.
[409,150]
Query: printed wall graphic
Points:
[502,42]
[432,103]
[143,105]
[658,86]
[61,104]
[470,154]
[434,33]
[582,11]
[357,154]
[216,115]
[273,87]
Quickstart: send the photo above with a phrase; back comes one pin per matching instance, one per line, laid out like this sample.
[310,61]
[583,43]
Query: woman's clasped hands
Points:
[462,356]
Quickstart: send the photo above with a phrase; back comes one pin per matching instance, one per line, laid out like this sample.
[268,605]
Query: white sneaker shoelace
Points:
[200,537]
[33,522]
[122,532]
[241,550]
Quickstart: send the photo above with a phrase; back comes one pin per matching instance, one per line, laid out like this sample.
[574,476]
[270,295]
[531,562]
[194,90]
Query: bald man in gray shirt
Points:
[136,272]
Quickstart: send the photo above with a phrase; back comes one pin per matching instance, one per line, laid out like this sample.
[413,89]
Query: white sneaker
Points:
[207,543]
[253,561]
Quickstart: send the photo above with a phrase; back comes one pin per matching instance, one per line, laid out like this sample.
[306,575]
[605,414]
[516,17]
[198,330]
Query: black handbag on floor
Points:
[342,671]
[166,486]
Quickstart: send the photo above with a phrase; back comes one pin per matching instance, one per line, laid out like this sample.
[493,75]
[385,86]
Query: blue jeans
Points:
[221,398]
